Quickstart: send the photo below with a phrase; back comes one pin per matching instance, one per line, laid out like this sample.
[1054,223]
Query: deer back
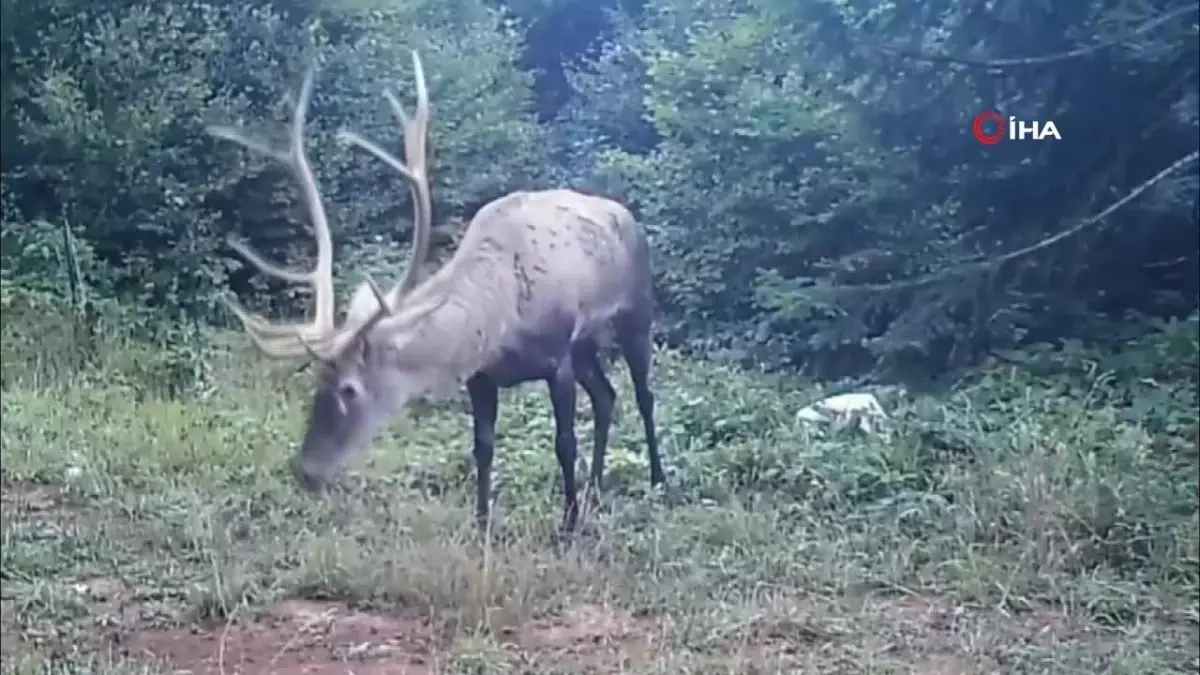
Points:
[559,252]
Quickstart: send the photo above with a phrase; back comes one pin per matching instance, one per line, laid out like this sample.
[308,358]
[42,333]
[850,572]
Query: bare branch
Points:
[993,263]
[1001,64]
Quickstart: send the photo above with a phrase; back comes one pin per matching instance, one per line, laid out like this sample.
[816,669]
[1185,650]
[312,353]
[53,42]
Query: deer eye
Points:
[348,392]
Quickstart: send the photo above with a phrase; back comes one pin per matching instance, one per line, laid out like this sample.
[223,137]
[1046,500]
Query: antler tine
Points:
[322,274]
[283,341]
[289,340]
[416,130]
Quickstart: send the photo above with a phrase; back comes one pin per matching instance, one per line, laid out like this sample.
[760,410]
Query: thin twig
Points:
[230,619]
[328,616]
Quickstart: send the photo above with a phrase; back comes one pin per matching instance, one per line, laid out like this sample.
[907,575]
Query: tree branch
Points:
[1001,64]
[1033,248]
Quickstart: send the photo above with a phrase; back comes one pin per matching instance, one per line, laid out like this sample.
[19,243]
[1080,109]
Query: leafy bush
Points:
[109,131]
[761,165]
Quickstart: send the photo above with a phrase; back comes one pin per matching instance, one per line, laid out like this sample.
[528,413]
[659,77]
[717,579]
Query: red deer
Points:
[536,280]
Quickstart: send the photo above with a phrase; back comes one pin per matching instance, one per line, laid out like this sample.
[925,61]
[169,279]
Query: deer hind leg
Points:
[562,398]
[632,334]
[589,373]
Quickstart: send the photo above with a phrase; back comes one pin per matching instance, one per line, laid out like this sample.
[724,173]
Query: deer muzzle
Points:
[312,478]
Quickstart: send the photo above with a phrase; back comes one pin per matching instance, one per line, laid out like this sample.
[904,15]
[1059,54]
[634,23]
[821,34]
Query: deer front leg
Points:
[485,400]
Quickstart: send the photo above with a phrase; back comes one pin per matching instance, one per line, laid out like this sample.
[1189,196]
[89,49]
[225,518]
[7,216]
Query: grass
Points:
[1020,524]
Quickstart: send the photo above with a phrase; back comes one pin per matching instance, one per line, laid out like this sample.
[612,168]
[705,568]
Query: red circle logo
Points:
[981,133]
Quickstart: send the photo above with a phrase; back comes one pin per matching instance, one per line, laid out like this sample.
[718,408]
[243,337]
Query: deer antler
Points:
[289,340]
[414,168]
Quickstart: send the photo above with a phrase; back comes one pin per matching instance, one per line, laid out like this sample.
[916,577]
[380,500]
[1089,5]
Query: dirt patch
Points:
[937,615]
[932,626]
[110,601]
[590,637]
[102,591]
[48,507]
[298,637]
[926,634]
[939,635]
[323,638]
[944,664]
[319,638]
[928,613]
[20,499]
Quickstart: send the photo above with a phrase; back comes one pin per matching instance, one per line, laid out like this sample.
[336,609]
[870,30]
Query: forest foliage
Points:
[807,170]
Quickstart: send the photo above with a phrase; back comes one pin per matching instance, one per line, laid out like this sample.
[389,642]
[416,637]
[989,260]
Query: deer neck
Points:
[452,326]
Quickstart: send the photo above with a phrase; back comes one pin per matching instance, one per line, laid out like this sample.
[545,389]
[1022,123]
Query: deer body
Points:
[535,282]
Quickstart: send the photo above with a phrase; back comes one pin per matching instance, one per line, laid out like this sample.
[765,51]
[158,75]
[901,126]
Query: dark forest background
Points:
[806,168]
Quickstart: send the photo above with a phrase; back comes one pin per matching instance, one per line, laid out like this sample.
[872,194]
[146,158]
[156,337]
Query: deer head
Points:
[354,396]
